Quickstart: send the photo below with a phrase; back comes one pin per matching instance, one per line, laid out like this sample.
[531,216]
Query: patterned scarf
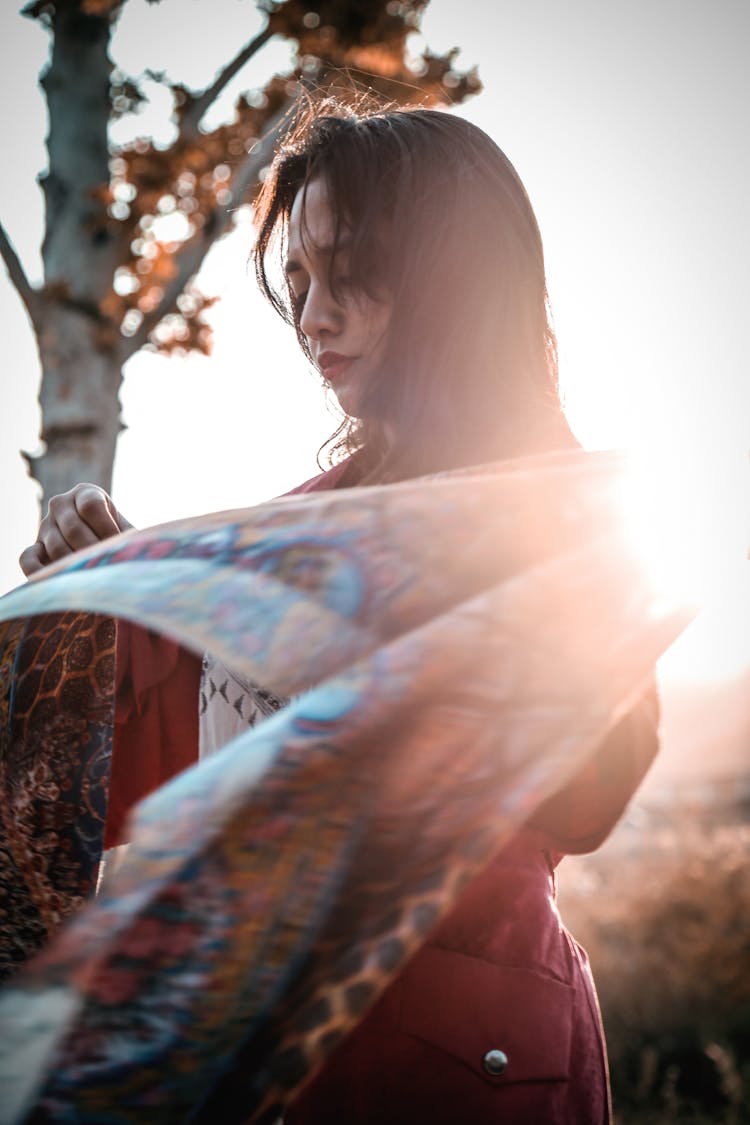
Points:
[455,648]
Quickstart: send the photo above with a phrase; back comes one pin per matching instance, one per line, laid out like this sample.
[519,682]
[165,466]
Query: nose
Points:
[322,315]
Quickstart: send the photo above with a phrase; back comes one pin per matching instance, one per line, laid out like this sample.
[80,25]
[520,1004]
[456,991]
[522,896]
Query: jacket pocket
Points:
[507,1024]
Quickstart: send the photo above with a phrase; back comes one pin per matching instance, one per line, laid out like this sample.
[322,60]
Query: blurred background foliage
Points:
[663,910]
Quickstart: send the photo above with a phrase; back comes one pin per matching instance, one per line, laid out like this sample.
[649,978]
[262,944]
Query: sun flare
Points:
[688,519]
[687,515]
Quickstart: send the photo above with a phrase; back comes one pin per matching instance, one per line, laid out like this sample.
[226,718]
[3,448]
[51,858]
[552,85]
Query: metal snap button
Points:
[495,1062]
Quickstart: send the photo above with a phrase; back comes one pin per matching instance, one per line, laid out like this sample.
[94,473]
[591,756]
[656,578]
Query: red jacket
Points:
[495,1019]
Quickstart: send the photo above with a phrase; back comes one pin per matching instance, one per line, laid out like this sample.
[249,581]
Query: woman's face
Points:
[346,334]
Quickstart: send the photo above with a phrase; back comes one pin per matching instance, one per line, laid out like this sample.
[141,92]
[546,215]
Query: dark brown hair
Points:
[439,217]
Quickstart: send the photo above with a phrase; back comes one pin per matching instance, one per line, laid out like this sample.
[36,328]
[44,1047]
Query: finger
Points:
[53,542]
[34,558]
[122,523]
[74,531]
[93,506]
[58,512]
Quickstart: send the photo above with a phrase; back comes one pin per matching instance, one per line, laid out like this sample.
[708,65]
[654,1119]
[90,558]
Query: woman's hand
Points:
[75,519]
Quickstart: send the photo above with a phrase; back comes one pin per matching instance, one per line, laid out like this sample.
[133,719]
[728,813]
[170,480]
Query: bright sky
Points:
[627,123]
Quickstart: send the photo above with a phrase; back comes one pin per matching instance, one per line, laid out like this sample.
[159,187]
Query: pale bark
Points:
[80,249]
[79,401]
[79,352]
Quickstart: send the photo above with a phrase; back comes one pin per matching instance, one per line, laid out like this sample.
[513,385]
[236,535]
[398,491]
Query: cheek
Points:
[377,325]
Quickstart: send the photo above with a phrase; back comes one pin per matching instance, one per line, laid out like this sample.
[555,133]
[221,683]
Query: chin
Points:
[349,402]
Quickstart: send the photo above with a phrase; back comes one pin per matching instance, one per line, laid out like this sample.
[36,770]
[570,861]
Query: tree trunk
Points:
[78,349]
[79,400]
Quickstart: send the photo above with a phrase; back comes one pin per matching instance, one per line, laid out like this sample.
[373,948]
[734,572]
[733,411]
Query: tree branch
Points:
[190,258]
[17,275]
[192,116]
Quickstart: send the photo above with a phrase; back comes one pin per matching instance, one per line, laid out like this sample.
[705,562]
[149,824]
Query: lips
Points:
[334,365]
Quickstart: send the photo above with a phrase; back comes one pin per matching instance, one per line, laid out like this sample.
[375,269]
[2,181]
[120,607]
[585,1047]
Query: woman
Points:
[414,277]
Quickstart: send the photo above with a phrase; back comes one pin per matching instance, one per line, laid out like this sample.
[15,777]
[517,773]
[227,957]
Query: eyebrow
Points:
[292,265]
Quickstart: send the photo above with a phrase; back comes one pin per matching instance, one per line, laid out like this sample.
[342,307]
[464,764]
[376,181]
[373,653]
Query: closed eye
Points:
[298,303]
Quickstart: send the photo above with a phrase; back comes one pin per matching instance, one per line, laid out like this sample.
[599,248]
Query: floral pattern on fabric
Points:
[456,647]
[57,676]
